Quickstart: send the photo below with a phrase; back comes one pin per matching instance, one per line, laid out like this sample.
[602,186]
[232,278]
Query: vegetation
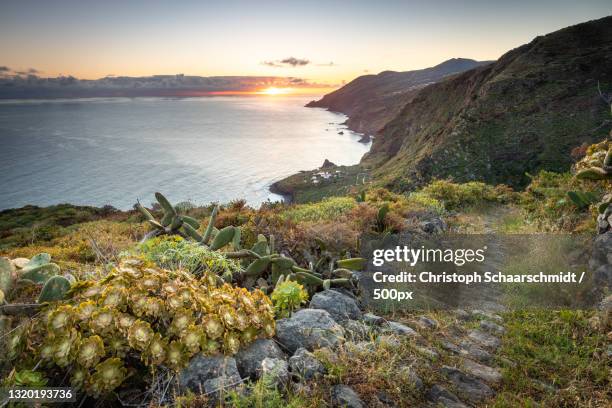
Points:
[139,314]
[199,282]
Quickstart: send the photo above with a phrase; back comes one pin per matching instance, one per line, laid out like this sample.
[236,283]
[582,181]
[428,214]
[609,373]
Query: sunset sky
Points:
[325,42]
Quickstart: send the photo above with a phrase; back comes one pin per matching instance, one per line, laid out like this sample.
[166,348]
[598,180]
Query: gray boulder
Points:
[489,374]
[338,305]
[215,387]
[492,328]
[435,225]
[275,371]
[305,365]
[408,375]
[601,252]
[485,339]
[603,275]
[372,319]
[309,328]
[249,359]
[202,369]
[473,389]
[442,397]
[344,396]
[356,330]
[400,329]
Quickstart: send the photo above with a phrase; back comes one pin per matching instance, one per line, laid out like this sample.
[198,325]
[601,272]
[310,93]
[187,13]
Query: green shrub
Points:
[174,252]
[287,297]
[459,195]
[328,209]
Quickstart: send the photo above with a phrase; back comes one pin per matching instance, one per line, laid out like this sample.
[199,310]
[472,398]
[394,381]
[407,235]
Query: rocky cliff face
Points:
[371,101]
[498,122]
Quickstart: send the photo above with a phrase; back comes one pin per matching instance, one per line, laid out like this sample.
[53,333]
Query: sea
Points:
[114,151]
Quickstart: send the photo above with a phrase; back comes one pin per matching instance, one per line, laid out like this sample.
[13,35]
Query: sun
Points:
[275,91]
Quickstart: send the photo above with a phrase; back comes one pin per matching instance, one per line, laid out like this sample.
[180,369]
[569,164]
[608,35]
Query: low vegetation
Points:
[160,284]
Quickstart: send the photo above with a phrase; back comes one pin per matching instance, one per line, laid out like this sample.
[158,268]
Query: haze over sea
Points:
[116,150]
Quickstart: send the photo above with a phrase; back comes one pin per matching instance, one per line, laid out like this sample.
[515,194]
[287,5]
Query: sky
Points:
[324,42]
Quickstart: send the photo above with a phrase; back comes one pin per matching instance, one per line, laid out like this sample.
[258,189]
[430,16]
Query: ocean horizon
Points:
[114,151]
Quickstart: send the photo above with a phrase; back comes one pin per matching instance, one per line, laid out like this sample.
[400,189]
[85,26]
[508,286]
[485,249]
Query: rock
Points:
[309,328]
[603,275]
[202,368]
[485,339]
[407,374]
[276,371]
[606,304]
[384,400]
[20,263]
[340,132]
[487,315]
[433,226]
[344,396]
[372,319]
[474,352]
[215,386]
[363,347]
[386,340]
[472,388]
[327,164]
[461,314]
[601,253]
[305,365]
[491,327]
[452,347]
[426,323]
[356,330]
[365,139]
[442,397]
[489,374]
[400,329]
[338,305]
[249,359]
[428,352]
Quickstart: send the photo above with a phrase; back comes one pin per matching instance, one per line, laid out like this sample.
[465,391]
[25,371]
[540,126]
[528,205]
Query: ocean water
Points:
[116,150]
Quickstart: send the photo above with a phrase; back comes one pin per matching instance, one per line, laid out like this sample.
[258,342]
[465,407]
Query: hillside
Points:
[370,101]
[495,123]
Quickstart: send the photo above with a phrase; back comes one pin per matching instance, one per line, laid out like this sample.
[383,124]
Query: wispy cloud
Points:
[328,64]
[294,62]
[287,62]
[33,86]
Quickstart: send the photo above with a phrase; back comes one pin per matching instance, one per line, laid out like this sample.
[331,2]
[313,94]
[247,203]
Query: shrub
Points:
[287,297]
[545,201]
[328,209]
[459,195]
[141,316]
[174,252]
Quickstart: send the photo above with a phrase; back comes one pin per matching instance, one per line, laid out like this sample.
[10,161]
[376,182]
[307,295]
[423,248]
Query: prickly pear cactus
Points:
[157,316]
[173,223]
[54,289]
[6,278]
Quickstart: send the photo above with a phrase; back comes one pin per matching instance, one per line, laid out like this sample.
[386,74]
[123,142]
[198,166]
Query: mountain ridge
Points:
[498,122]
[370,101]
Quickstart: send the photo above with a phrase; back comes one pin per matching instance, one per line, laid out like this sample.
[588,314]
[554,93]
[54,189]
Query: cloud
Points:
[329,64]
[271,64]
[33,86]
[291,61]
[297,81]
[4,68]
[294,62]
